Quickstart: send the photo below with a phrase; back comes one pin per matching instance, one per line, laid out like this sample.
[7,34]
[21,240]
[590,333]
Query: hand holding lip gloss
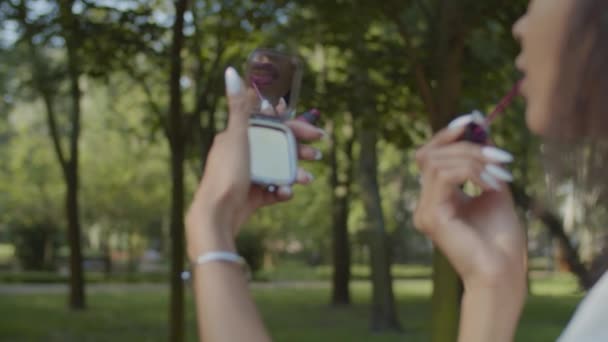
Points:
[478,130]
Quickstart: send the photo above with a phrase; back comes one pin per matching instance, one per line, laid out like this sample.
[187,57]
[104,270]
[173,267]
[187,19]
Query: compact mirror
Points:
[272,76]
[273,154]
[273,79]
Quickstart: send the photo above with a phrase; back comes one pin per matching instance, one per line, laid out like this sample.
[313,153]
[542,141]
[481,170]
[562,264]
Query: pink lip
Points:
[263,74]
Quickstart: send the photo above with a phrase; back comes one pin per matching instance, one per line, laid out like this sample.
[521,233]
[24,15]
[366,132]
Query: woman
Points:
[563,59]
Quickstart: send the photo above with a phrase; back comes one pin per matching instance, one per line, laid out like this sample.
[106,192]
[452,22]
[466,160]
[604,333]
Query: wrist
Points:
[510,286]
[208,235]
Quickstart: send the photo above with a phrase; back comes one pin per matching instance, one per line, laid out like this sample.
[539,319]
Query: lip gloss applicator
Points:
[478,130]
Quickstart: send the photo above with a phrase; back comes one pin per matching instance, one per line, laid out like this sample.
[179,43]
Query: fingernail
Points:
[265,106]
[233,81]
[477,117]
[461,121]
[497,155]
[324,134]
[282,103]
[318,155]
[285,190]
[499,173]
[491,181]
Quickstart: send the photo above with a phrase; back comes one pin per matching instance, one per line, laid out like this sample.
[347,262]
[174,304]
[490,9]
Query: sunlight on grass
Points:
[7,253]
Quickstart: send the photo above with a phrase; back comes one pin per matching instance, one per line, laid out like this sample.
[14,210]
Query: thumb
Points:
[238,118]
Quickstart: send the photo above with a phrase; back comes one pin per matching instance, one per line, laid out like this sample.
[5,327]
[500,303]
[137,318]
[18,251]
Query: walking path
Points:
[19,289]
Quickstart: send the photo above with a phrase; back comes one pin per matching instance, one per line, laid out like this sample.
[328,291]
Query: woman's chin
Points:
[536,121]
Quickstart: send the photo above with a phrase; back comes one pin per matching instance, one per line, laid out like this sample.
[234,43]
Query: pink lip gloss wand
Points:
[477,132]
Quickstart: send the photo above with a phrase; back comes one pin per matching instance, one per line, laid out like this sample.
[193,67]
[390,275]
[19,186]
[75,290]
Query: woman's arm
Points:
[480,235]
[225,309]
[490,312]
[223,202]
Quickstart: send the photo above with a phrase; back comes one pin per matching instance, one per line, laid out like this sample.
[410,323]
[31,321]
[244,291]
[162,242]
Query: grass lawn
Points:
[7,253]
[292,315]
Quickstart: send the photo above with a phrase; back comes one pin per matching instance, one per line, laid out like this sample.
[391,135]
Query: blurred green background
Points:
[107,112]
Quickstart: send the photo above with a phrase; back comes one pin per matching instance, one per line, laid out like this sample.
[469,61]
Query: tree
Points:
[42,82]
[177,146]
[340,182]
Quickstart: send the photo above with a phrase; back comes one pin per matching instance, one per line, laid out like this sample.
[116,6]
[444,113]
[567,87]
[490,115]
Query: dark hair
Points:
[581,95]
[576,150]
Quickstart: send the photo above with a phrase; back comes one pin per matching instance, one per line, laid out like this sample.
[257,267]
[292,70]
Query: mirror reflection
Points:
[273,76]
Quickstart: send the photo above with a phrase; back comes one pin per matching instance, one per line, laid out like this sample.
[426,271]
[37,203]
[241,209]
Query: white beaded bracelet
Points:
[219,256]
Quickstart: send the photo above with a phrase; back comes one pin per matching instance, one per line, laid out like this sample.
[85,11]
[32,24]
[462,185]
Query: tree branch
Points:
[426,92]
[154,106]
[52,123]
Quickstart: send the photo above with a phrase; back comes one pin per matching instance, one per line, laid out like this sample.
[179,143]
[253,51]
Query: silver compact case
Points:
[273,152]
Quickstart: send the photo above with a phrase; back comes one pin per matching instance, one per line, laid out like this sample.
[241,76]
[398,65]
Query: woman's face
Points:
[541,32]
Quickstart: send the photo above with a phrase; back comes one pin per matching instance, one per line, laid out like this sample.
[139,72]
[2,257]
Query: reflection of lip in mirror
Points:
[274,76]
[270,155]
[263,74]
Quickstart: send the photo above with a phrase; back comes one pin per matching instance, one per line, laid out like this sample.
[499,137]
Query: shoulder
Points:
[589,321]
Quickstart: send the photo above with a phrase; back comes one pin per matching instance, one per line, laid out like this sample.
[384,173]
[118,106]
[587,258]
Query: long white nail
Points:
[265,106]
[499,173]
[497,155]
[477,117]
[324,134]
[282,103]
[285,190]
[461,121]
[491,181]
[318,155]
[233,81]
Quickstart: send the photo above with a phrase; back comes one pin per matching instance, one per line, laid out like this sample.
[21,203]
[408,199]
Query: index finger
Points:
[305,131]
[238,118]
[453,132]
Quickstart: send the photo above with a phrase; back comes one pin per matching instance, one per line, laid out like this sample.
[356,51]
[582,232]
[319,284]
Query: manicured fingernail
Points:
[499,173]
[497,155]
[491,181]
[477,117]
[318,155]
[265,106]
[461,121]
[285,190]
[282,103]
[324,134]
[233,81]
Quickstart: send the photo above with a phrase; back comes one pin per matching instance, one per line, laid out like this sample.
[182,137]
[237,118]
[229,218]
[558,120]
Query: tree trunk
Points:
[447,288]
[71,34]
[384,316]
[176,142]
[447,291]
[77,295]
[340,211]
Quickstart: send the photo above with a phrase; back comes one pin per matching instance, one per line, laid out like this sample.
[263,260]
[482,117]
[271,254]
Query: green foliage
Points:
[36,244]
[7,253]
[252,248]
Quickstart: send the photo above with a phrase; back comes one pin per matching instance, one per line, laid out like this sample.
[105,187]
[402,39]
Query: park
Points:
[108,111]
